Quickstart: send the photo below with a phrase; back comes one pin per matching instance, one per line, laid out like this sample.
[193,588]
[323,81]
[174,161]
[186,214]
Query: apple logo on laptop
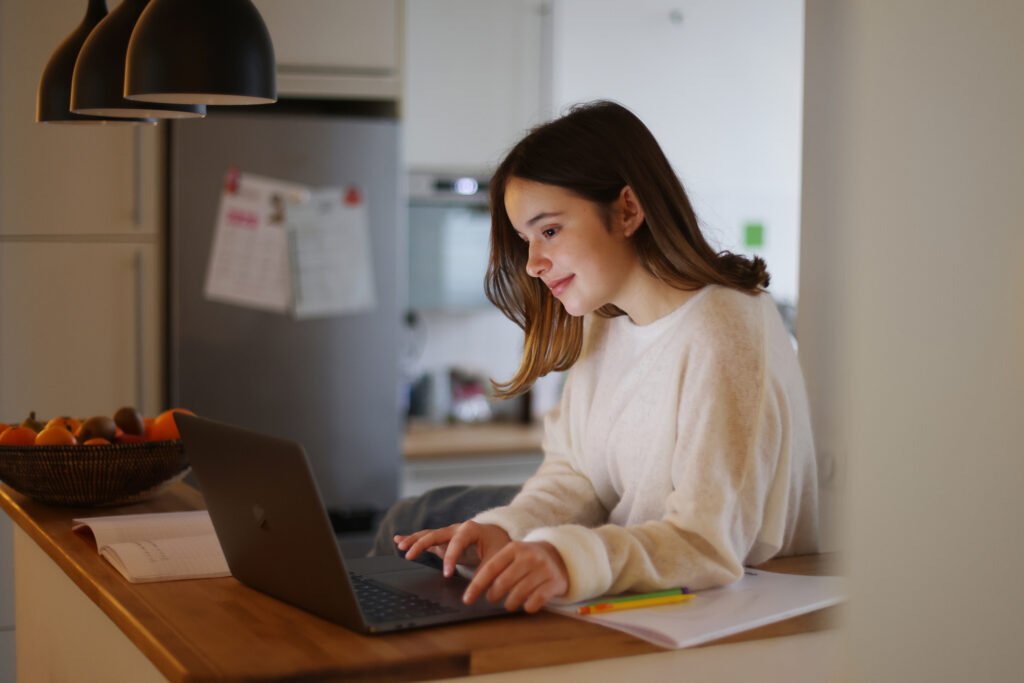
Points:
[260,515]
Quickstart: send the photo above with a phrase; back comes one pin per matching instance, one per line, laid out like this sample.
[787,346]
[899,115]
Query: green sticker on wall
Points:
[753,235]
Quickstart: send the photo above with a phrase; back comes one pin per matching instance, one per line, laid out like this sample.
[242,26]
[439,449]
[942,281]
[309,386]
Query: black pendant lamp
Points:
[97,86]
[53,100]
[201,51]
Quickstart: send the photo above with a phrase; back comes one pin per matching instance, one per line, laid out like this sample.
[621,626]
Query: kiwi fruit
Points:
[99,427]
[130,421]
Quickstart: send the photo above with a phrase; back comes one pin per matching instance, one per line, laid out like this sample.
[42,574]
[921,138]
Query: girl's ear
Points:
[632,214]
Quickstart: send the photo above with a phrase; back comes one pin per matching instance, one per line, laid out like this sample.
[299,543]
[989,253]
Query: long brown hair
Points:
[594,151]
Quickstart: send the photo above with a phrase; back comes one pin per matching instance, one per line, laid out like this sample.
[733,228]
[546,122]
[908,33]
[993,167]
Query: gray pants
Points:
[435,509]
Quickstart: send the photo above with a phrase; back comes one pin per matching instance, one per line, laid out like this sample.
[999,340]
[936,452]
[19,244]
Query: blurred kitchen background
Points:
[889,130]
[96,275]
[720,86]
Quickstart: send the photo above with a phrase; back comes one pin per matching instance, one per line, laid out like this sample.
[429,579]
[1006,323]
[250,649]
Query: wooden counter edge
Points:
[114,607]
[478,660]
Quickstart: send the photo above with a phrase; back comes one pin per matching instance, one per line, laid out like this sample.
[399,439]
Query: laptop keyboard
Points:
[381,602]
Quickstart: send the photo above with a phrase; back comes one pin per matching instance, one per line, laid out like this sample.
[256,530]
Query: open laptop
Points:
[277,538]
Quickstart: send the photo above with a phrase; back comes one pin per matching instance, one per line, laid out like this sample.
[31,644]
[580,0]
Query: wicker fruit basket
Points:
[94,475]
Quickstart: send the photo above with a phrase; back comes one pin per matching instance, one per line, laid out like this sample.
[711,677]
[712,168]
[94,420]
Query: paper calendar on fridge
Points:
[331,261]
[287,248]
[249,264]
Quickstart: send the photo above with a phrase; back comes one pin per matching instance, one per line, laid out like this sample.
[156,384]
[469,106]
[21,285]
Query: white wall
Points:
[719,83]
[912,319]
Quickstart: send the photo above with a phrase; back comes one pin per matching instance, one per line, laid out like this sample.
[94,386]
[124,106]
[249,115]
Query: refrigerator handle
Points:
[139,307]
[137,178]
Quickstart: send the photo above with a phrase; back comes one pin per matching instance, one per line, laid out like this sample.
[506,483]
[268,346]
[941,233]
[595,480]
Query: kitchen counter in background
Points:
[426,440]
[468,454]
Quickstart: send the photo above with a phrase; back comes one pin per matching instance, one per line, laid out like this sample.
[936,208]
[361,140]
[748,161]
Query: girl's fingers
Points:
[459,542]
[403,542]
[526,574]
[486,573]
[539,597]
[416,543]
[516,574]
[524,590]
[462,546]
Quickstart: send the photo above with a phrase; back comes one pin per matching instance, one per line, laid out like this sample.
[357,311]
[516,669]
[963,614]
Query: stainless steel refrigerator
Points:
[330,383]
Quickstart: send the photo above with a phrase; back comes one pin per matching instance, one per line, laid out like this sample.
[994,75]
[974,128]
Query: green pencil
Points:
[637,596]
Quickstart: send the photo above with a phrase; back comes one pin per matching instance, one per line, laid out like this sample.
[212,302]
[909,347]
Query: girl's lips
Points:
[559,286]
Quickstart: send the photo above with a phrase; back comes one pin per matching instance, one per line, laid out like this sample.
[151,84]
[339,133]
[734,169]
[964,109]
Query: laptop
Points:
[278,539]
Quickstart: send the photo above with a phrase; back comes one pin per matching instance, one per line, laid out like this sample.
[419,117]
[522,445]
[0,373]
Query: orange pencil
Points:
[600,607]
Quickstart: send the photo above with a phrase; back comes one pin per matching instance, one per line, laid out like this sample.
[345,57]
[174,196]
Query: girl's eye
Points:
[549,232]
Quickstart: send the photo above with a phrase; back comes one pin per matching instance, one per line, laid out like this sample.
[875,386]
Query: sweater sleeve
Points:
[559,493]
[728,435]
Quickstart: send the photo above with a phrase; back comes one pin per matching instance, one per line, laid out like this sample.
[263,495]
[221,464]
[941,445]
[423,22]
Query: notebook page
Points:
[757,599]
[164,559]
[146,527]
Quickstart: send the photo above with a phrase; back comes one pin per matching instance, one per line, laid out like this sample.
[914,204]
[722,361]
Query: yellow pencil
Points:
[634,604]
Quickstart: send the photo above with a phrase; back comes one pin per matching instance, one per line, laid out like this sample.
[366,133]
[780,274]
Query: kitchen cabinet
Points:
[75,180]
[81,214]
[7,672]
[335,48]
[469,455]
[81,328]
[476,78]
[59,179]
[476,469]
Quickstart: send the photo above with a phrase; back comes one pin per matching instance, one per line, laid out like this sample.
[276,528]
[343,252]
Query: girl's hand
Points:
[527,575]
[467,543]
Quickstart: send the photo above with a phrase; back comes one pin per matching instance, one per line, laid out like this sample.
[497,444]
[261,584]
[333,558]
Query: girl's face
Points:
[584,257]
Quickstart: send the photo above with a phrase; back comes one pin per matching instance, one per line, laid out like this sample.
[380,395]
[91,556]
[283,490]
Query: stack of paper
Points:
[757,599]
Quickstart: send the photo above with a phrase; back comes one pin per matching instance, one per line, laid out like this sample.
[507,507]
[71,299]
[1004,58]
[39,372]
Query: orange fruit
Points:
[18,436]
[68,423]
[148,422]
[56,435]
[164,428]
[96,440]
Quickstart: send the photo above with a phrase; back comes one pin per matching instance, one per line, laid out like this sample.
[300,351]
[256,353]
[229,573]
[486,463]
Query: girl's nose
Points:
[536,264]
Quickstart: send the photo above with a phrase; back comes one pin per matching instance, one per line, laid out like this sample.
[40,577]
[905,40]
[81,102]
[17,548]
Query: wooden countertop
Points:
[219,629]
[425,440]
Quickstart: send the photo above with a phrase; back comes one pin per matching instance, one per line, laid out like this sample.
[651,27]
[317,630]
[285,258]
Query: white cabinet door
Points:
[66,179]
[475,80]
[7,657]
[6,577]
[80,330]
[333,34]
[335,48]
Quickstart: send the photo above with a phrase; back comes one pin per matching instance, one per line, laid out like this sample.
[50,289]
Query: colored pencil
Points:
[600,607]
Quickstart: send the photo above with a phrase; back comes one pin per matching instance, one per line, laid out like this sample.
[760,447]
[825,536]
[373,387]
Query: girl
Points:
[681,449]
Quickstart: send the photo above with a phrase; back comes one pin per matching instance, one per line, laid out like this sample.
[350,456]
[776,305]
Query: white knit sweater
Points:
[680,451]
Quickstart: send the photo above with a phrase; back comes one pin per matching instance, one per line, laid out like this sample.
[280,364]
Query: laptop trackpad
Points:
[415,578]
